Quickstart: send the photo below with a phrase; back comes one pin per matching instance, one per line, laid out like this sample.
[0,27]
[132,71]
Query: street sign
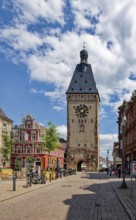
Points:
[133,168]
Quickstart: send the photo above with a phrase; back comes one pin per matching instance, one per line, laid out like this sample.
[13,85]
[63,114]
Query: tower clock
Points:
[83,118]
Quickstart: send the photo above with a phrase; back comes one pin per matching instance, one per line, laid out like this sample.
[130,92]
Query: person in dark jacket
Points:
[119,172]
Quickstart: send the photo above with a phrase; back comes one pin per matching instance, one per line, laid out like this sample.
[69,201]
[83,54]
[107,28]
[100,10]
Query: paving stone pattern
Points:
[84,196]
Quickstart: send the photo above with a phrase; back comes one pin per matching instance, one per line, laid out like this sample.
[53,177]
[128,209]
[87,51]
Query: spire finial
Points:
[83,54]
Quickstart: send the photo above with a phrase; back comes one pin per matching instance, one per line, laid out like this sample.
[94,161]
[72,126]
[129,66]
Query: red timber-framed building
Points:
[129,109]
[28,149]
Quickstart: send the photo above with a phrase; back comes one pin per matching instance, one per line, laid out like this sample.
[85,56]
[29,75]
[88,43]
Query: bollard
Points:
[50,177]
[30,180]
[14,183]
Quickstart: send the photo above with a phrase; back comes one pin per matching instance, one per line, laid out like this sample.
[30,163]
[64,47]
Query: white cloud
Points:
[106,143]
[58,108]
[52,58]
[51,53]
[31,11]
[62,129]
[20,38]
[36,91]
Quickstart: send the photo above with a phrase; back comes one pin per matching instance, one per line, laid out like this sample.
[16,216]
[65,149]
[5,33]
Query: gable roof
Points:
[4,116]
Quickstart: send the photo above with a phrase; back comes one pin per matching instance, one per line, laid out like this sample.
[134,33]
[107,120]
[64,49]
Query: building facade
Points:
[129,109]
[83,118]
[28,148]
[117,161]
[5,129]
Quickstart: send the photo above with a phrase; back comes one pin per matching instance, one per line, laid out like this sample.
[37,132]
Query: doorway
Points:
[37,163]
[79,165]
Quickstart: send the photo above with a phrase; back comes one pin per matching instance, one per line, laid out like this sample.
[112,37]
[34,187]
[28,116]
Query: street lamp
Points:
[108,161]
[123,125]
[128,164]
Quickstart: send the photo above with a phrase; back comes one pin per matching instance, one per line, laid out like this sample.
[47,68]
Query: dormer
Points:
[28,121]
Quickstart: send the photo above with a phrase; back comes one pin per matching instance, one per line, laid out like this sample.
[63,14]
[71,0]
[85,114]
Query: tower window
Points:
[91,120]
[72,120]
[85,145]
[78,145]
[81,128]
[81,75]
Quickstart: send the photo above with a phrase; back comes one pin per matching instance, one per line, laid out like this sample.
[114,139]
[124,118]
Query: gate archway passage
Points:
[81,166]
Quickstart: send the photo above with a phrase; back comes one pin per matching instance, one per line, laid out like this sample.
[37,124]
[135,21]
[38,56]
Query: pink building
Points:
[27,149]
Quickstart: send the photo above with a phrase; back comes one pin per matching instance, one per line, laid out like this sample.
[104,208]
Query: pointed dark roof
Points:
[82,80]
[4,116]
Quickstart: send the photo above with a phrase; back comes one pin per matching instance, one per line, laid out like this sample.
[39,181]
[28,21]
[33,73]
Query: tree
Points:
[18,165]
[7,147]
[50,138]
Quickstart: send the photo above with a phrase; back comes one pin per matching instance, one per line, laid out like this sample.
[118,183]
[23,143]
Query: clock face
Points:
[82,111]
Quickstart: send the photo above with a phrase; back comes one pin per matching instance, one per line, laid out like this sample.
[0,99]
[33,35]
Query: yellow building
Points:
[5,128]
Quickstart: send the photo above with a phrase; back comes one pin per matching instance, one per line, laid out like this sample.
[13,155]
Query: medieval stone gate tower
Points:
[83,118]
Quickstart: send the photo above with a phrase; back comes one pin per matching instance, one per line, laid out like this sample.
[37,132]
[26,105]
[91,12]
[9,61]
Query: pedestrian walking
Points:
[119,172]
[110,171]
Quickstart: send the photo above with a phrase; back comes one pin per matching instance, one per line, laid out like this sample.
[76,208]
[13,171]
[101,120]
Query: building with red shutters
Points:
[27,148]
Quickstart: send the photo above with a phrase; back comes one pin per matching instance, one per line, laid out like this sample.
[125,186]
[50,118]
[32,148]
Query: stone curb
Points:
[124,202]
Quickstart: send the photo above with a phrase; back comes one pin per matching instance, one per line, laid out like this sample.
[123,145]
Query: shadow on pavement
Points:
[97,201]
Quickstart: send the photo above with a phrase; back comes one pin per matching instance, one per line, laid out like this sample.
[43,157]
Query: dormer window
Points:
[29,125]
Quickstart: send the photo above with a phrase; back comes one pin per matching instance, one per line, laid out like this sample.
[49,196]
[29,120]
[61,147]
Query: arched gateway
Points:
[83,118]
[81,165]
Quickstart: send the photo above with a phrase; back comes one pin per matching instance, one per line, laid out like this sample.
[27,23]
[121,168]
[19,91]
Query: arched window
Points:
[81,128]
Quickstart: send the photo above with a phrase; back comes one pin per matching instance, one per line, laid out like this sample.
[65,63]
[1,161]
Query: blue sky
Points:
[40,42]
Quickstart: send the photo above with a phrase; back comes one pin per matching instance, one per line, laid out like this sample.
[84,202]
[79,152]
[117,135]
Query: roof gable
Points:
[3,115]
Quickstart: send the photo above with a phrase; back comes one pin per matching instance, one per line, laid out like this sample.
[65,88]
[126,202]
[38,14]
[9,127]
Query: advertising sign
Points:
[133,168]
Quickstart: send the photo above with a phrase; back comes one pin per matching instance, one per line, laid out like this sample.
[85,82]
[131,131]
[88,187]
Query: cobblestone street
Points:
[85,196]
